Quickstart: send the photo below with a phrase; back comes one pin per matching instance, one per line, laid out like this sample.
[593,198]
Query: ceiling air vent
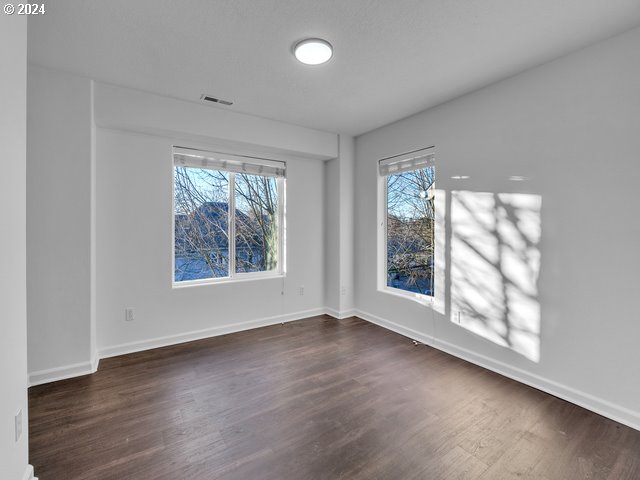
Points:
[209,98]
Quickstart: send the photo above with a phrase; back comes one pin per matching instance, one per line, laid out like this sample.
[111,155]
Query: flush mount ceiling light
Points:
[313,51]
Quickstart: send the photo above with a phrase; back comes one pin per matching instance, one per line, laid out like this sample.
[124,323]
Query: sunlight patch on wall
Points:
[495,264]
[440,273]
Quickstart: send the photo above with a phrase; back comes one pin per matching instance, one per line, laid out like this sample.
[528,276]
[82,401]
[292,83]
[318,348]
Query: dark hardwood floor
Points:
[314,399]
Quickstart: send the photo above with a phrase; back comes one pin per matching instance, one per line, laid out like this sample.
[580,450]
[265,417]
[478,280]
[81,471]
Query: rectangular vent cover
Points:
[209,98]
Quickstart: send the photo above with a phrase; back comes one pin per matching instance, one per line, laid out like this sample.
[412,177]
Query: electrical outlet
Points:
[301,290]
[129,315]
[343,291]
[18,424]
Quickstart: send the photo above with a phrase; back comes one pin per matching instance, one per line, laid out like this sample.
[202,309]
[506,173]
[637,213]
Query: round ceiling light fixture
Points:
[313,51]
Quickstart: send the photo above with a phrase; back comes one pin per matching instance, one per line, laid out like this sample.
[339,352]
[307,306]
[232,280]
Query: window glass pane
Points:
[201,224]
[256,223]
[410,224]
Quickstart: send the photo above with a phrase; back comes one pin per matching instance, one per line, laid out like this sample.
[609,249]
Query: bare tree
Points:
[257,231]
[410,230]
[202,223]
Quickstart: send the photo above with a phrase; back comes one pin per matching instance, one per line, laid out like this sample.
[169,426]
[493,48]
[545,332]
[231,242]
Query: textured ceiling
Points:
[392,58]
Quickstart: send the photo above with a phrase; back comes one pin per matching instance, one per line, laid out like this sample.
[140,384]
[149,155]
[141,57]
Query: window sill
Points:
[249,277]
[425,300]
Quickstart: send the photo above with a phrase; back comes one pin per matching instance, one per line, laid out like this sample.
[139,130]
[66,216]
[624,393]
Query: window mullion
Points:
[232,224]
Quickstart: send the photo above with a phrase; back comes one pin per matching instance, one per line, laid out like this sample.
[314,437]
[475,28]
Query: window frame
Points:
[382,196]
[233,277]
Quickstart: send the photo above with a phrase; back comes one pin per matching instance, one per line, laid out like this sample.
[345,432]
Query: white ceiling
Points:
[392,58]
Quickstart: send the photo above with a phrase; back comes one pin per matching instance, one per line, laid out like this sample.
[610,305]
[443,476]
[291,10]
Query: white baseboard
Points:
[86,368]
[133,347]
[61,373]
[600,406]
[95,361]
[28,474]
[339,315]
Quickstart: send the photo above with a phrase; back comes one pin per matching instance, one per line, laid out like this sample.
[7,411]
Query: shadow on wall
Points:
[495,263]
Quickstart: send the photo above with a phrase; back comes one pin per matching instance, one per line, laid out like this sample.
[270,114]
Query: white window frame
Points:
[382,228]
[280,270]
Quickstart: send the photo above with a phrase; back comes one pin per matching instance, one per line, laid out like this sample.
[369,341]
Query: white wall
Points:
[571,127]
[13,341]
[347,228]
[58,223]
[134,270]
[135,110]
[133,211]
[87,221]
[332,235]
[339,230]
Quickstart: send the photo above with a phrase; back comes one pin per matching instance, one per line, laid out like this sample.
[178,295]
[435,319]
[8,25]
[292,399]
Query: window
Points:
[228,217]
[408,224]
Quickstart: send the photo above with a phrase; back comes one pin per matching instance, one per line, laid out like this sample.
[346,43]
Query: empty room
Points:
[300,240]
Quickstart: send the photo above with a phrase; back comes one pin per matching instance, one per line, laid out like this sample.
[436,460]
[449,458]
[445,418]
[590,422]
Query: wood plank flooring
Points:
[314,399]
